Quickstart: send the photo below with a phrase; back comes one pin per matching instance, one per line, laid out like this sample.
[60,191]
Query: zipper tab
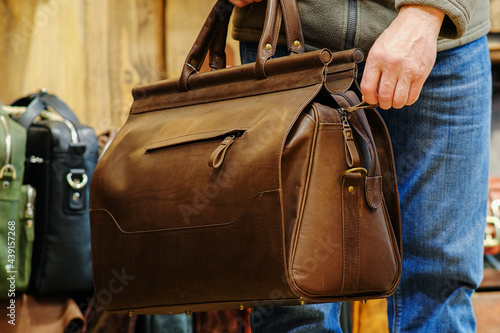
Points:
[218,155]
[351,152]
[36,160]
[29,213]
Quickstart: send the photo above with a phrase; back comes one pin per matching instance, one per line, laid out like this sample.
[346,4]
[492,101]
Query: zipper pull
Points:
[29,213]
[351,152]
[218,155]
[35,160]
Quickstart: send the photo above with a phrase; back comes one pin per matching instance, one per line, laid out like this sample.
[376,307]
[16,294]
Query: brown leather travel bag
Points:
[268,183]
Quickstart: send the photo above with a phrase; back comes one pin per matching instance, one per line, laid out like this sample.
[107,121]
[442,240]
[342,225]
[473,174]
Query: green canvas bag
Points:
[16,210]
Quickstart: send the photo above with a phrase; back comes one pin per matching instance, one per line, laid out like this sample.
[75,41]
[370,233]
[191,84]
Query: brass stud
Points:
[242,307]
[29,223]
[5,184]
[296,43]
[349,134]
[350,189]
[189,313]
[364,301]
[302,302]
[268,46]
[193,62]
[217,58]
[131,313]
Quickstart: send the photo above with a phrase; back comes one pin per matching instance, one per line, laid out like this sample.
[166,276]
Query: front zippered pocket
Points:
[226,136]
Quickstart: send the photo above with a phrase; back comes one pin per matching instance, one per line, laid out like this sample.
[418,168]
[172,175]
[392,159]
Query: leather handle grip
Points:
[212,37]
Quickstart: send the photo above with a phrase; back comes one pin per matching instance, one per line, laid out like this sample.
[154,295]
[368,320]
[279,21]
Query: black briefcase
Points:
[61,155]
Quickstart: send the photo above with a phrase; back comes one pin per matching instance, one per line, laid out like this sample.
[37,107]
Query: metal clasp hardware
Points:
[364,172]
[76,183]
[8,167]
[492,239]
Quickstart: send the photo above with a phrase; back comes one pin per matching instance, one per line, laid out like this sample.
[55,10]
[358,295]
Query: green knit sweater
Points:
[343,24]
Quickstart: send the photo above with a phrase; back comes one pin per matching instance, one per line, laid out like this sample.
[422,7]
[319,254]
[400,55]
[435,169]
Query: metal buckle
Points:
[363,171]
[76,183]
[8,167]
[490,239]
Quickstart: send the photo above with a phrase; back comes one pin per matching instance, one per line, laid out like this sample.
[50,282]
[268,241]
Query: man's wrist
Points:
[432,18]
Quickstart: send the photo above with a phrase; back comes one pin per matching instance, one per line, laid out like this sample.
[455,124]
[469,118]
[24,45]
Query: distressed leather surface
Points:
[276,223]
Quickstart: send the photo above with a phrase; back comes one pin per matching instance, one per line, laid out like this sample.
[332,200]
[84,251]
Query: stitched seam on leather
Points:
[307,180]
[276,31]
[330,130]
[370,190]
[280,214]
[358,251]
[388,148]
[185,228]
[160,105]
[285,19]
[343,237]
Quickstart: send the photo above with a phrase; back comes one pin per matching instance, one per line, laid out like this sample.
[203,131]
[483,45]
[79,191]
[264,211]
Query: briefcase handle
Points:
[212,37]
[36,103]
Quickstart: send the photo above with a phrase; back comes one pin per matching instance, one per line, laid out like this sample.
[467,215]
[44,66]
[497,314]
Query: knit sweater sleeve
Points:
[457,14]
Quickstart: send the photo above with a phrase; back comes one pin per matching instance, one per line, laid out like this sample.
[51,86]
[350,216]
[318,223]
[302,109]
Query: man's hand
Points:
[402,58]
[243,3]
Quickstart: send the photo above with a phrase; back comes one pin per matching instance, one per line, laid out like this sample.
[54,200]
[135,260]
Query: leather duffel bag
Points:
[268,183]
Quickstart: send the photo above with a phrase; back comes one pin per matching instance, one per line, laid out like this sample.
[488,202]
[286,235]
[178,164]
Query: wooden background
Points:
[91,53]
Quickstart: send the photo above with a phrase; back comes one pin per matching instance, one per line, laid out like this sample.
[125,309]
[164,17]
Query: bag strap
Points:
[389,182]
[36,103]
[212,37]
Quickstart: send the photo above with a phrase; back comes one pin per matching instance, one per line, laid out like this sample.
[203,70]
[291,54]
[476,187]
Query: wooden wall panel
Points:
[89,52]
[495,15]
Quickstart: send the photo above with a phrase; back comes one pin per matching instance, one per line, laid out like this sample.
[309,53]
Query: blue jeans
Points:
[441,147]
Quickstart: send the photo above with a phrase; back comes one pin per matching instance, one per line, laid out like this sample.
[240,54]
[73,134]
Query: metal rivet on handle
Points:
[193,62]
[268,46]
[296,43]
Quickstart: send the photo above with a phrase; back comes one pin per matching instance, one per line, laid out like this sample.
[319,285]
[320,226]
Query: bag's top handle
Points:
[38,102]
[270,33]
[212,37]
